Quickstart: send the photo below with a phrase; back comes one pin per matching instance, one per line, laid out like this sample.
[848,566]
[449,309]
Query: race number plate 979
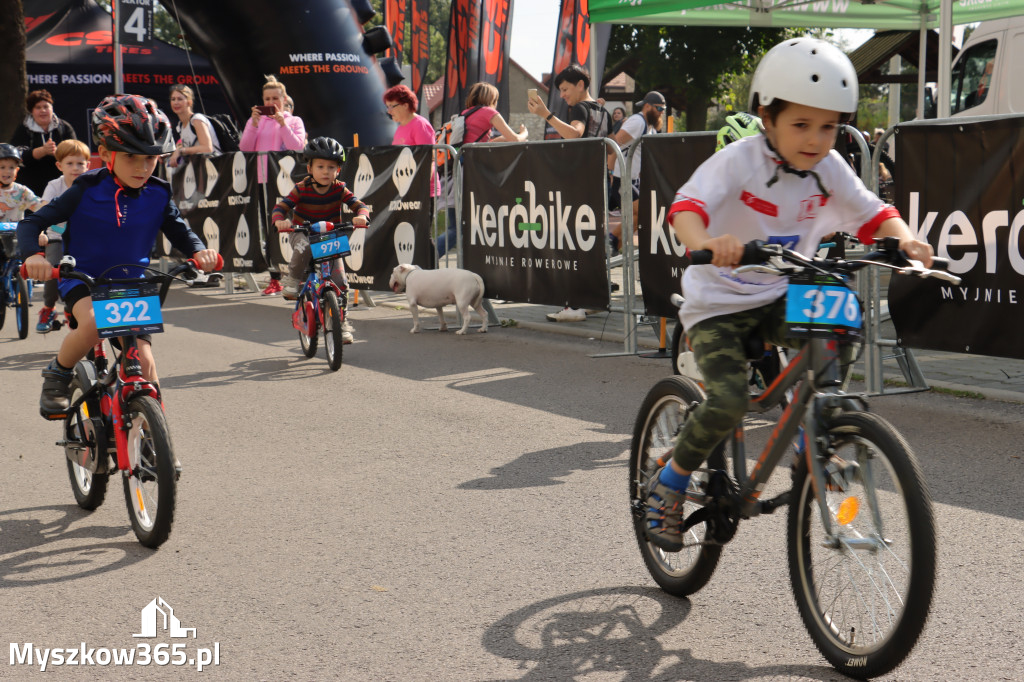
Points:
[127,310]
[328,246]
[817,306]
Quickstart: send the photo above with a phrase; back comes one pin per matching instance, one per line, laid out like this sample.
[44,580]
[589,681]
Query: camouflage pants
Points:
[719,346]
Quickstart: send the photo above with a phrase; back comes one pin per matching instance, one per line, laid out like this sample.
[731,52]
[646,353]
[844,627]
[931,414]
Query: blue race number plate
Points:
[328,246]
[817,306]
[127,310]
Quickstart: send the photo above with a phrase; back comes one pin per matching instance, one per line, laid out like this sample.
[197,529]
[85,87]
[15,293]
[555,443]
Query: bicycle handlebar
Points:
[306,227]
[786,261]
[67,271]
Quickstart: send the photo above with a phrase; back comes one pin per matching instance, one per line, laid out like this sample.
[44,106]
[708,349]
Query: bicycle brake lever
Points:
[761,268]
[917,268]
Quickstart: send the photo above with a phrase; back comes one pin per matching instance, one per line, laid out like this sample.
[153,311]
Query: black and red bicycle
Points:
[115,421]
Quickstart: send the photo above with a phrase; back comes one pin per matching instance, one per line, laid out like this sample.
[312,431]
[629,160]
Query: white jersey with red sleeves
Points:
[730,192]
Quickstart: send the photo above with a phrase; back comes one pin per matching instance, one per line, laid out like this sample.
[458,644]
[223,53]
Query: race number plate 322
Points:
[818,306]
[127,310]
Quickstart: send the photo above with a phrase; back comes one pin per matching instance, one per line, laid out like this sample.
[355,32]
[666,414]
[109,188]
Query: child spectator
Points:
[15,198]
[113,217]
[72,160]
[786,186]
[317,197]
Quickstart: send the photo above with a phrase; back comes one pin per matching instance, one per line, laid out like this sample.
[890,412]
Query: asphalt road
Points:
[445,508]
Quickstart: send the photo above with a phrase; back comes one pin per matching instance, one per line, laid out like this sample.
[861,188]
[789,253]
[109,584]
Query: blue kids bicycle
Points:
[15,290]
[322,304]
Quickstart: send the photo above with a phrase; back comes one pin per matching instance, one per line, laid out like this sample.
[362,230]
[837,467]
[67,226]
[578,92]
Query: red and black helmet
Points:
[132,124]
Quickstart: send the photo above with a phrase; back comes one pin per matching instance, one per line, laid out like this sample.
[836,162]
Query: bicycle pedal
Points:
[54,417]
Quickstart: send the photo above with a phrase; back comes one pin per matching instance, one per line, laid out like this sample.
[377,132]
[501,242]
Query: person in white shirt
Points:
[787,186]
[195,133]
[646,121]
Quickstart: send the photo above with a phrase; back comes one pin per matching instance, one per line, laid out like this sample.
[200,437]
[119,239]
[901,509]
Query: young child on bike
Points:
[786,186]
[72,160]
[15,198]
[113,217]
[317,197]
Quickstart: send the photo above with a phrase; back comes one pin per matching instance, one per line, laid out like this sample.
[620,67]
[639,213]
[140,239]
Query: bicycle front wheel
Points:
[865,590]
[149,485]
[21,305]
[332,330]
[306,340]
[662,413]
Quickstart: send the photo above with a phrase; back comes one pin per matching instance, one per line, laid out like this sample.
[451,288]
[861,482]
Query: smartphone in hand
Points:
[266,110]
[531,93]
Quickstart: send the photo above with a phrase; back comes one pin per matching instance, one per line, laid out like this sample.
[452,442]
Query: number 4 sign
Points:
[135,21]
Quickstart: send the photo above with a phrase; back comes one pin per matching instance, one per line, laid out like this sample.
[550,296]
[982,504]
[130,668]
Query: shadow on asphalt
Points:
[40,546]
[617,631]
[546,467]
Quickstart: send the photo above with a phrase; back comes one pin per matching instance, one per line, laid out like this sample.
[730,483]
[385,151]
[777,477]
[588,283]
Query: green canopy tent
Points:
[921,15]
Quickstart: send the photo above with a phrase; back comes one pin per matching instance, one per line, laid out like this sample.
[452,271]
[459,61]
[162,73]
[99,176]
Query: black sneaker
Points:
[56,395]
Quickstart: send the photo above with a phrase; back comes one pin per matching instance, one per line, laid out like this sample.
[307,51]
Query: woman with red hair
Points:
[413,129]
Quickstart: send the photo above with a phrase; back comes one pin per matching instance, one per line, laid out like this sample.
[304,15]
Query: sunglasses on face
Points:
[659,108]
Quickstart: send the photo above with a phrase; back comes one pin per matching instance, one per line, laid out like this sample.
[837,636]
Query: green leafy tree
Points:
[690,65]
[12,74]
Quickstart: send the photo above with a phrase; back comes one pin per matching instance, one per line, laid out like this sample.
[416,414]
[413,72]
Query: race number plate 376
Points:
[817,306]
[127,310]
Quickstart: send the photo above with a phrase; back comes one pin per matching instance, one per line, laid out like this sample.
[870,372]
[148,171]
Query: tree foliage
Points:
[690,65]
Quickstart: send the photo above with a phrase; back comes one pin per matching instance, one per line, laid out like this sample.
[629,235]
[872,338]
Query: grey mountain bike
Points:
[861,532]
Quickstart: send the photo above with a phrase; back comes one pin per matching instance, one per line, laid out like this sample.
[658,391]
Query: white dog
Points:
[438,288]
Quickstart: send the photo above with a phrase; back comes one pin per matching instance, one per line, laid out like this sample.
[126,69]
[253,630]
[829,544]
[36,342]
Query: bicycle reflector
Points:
[848,509]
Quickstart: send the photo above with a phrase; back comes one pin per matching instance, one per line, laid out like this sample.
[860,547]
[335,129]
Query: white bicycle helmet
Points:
[806,71]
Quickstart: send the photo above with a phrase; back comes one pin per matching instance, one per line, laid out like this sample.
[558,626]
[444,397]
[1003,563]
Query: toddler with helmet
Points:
[15,198]
[113,215]
[785,186]
[317,197]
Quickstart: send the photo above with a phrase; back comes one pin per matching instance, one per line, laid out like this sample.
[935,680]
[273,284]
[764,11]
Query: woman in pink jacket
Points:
[275,132]
[272,132]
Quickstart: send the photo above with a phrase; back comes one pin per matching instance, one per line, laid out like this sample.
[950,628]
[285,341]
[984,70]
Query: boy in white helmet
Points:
[786,186]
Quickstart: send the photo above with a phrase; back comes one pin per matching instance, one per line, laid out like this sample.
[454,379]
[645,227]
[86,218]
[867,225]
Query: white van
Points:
[987,76]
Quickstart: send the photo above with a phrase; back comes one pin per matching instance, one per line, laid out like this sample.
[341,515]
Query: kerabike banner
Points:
[217,197]
[533,221]
[668,162]
[960,185]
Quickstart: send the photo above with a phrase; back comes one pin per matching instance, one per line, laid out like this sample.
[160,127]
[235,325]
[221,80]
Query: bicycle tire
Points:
[841,591]
[663,411]
[307,341]
[677,348]
[85,424]
[4,288]
[150,488]
[332,330]
[21,303]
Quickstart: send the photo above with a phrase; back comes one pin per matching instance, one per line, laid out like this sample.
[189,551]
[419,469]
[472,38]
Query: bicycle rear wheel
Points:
[4,293]
[149,486]
[21,304]
[662,413]
[332,330]
[306,340]
[86,439]
[863,594]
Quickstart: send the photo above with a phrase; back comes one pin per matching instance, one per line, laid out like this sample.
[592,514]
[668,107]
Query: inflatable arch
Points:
[314,47]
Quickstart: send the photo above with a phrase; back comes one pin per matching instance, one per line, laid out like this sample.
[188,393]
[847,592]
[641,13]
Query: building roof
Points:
[433,93]
[869,58]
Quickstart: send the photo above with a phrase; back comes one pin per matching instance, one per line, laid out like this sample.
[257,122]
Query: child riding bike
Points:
[113,216]
[317,197]
[786,186]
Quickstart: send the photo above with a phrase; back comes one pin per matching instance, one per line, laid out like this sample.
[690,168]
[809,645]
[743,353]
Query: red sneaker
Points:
[273,288]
